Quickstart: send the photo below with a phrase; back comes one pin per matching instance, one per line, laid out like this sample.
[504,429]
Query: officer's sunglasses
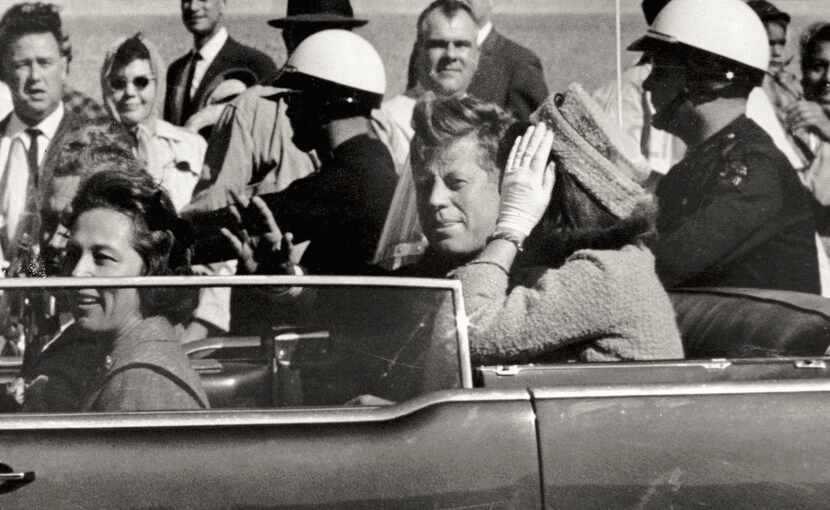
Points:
[139,82]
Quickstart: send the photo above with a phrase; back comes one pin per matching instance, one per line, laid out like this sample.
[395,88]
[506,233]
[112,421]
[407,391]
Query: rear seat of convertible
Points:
[741,323]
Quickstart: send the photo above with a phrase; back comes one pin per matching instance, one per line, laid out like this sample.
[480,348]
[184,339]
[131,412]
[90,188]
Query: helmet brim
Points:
[322,20]
[652,40]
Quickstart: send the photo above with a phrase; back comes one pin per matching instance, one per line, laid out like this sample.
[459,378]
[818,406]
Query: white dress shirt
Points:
[208,53]
[13,199]
[483,32]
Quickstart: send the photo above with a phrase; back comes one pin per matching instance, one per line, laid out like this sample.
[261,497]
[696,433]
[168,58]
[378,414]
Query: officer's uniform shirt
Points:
[733,213]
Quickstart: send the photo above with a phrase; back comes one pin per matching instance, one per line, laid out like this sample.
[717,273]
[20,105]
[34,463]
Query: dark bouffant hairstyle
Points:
[131,49]
[576,221]
[33,18]
[812,36]
[440,121]
[160,237]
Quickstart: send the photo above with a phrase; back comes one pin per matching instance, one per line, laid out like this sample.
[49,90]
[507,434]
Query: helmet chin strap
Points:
[666,118]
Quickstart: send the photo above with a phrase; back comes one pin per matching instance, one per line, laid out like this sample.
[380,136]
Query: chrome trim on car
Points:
[229,281]
[673,390]
[245,417]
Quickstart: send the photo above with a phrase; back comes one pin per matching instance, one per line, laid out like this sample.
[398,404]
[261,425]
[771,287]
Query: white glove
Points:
[528,182]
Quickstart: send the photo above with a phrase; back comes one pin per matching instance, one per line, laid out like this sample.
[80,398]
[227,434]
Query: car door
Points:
[705,444]
[368,404]
[458,449]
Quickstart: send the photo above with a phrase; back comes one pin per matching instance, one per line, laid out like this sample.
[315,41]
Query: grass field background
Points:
[572,47]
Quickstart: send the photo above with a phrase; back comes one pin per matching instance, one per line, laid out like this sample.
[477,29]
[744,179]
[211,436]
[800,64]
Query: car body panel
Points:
[450,450]
[725,445]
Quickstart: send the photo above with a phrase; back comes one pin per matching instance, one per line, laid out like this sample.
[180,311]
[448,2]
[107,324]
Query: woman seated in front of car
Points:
[584,288]
[122,351]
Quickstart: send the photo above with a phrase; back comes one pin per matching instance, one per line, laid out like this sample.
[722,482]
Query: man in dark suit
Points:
[33,62]
[508,74]
[192,77]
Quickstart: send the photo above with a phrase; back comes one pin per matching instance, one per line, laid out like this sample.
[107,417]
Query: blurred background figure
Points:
[192,78]
[809,119]
[507,74]
[132,87]
[781,85]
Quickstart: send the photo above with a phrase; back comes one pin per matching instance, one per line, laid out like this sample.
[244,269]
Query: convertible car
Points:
[359,393]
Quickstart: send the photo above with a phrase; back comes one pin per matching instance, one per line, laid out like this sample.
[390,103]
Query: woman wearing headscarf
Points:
[132,83]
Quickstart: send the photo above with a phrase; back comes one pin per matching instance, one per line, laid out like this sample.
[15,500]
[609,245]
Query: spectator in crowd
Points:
[192,77]
[732,212]
[132,94]
[507,74]
[809,119]
[74,100]
[250,150]
[446,58]
[34,66]
[585,288]
[173,155]
[781,85]
[121,353]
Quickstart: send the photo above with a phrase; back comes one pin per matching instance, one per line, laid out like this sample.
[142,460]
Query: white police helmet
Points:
[336,62]
[729,29]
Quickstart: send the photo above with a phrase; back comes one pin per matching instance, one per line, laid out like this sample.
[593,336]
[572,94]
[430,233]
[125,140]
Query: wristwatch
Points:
[511,237]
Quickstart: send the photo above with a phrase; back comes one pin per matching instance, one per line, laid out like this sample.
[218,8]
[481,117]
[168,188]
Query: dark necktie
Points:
[187,103]
[32,156]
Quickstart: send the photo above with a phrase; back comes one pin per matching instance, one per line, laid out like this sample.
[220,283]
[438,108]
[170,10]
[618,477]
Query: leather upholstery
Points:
[740,323]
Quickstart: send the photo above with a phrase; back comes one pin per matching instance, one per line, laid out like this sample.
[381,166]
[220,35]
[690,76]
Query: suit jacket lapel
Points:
[181,89]
[223,59]
[50,160]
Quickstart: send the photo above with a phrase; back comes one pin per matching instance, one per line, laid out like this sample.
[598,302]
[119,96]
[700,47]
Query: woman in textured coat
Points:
[585,286]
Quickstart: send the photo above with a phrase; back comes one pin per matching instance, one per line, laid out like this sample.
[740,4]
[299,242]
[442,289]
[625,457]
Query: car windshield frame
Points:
[451,285]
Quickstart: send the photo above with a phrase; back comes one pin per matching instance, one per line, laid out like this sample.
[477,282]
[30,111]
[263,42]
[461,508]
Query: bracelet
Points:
[510,236]
[489,263]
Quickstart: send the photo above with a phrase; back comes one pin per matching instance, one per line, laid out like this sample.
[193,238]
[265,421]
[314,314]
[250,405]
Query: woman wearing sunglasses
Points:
[131,81]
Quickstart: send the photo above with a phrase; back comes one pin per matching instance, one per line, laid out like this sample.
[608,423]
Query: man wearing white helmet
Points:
[733,212]
[337,78]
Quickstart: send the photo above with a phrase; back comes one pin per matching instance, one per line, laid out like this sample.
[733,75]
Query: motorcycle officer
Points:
[732,212]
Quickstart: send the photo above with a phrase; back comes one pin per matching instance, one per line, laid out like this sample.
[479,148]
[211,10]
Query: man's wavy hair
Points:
[33,18]
[440,121]
[161,238]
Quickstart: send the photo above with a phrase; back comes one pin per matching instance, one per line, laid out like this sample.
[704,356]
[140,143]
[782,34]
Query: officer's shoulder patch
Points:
[733,174]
